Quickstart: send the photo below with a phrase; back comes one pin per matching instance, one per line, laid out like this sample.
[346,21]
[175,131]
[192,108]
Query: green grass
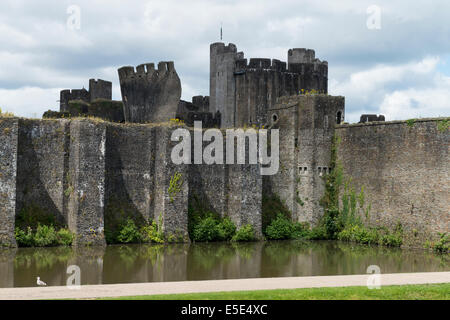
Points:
[405,292]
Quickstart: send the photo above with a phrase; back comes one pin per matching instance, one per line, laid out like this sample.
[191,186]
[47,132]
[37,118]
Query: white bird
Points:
[39,282]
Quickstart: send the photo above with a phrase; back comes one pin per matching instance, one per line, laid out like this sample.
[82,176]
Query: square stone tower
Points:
[306,124]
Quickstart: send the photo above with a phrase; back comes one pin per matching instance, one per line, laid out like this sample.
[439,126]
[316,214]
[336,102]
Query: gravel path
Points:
[135,289]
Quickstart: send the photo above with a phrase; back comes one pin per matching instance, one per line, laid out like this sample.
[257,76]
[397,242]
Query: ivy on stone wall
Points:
[345,209]
[443,125]
[175,185]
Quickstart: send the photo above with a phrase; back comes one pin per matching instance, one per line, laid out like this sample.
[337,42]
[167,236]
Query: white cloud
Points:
[371,68]
[414,89]
[419,103]
[29,101]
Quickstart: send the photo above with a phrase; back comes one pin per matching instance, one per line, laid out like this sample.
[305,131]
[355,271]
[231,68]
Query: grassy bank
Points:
[405,292]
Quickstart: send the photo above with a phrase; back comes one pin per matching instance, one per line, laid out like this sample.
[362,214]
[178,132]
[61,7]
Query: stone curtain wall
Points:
[8,164]
[82,170]
[228,190]
[405,170]
[41,165]
[130,170]
[86,177]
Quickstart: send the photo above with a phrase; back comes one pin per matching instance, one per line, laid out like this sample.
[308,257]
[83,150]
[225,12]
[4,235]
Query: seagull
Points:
[40,283]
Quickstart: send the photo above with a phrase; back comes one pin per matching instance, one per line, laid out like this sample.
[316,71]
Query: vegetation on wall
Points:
[443,125]
[6,114]
[175,184]
[344,214]
[411,122]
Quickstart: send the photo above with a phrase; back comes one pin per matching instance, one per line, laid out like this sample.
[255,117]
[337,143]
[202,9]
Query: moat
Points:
[208,261]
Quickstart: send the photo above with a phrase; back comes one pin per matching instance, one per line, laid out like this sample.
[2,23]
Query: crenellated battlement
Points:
[149,94]
[261,63]
[201,102]
[220,48]
[146,69]
[301,55]
[316,67]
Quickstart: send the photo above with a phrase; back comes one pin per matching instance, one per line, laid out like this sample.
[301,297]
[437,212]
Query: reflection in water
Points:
[178,262]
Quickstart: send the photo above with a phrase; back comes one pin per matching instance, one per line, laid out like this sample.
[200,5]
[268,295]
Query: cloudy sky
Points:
[397,65]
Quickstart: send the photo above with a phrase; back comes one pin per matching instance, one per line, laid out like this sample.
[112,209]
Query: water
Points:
[181,262]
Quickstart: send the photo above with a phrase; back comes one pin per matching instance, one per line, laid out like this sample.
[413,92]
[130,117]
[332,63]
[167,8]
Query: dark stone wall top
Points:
[387,123]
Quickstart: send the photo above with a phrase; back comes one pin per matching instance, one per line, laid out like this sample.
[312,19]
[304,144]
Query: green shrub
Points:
[117,214]
[271,208]
[359,233]
[65,237]
[300,231]
[204,225]
[317,233]
[245,233]
[391,240]
[129,233]
[206,230]
[45,236]
[442,245]
[226,229]
[152,233]
[24,238]
[279,229]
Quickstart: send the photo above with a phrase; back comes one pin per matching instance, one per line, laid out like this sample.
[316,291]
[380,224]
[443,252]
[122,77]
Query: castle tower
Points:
[306,124]
[301,55]
[100,89]
[222,81]
[149,94]
[313,72]
[70,95]
[243,91]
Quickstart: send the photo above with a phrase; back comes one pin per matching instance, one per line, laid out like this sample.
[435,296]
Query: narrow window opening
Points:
[339,117]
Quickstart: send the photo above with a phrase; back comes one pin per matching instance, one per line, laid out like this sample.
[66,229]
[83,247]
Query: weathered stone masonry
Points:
[80,169]
[306,124]
[405,171]
[8,165]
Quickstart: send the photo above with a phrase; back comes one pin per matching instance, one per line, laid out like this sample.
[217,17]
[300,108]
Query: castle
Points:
[84,170]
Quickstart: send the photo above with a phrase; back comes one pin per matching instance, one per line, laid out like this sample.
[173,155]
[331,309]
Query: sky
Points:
[385,57]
